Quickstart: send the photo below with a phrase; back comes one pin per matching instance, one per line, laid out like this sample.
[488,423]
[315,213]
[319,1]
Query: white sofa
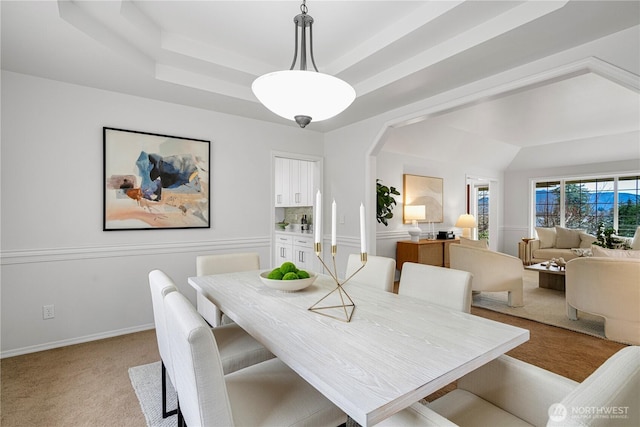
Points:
[492,271]
[607,287]
[555,242]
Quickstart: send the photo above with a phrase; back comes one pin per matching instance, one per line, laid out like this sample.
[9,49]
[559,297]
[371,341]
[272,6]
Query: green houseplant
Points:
[385,202]
[607,238]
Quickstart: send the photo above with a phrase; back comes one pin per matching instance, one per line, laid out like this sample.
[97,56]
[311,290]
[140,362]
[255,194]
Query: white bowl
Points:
[288,285]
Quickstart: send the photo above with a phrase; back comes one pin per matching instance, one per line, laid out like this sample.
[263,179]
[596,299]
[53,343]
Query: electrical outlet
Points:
[48,312]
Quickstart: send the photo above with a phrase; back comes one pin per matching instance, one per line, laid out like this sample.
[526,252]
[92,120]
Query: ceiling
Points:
[207,53]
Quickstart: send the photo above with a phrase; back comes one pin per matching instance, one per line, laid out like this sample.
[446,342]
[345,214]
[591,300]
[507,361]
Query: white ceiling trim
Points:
[82,21]
[516,17]
[387,36]
[587,65]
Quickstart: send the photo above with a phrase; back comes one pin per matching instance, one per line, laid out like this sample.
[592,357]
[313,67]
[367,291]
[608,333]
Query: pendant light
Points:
[303,95]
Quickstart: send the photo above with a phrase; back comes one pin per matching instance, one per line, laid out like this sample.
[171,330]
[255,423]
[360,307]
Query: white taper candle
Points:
[333,223]
[318,218]
[363,239]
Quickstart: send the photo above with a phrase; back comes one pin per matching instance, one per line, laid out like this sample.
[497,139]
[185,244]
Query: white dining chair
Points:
[443,286]
[379,271]
[265,394]
[510,392]
[219,264]
[238,349]
[160,285]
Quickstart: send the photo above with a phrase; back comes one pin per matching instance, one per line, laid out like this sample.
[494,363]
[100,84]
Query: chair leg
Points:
[181,421]
[165,414]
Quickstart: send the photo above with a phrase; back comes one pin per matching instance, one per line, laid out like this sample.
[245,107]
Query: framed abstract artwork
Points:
[154,181]
[424,191]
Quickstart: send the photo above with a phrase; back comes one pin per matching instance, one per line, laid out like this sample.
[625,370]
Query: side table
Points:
[432,252]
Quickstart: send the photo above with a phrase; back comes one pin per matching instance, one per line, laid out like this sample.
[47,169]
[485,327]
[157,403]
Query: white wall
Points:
[390,168]
[53,248]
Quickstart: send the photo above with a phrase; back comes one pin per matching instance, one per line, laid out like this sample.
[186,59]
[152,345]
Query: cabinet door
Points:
[300,183]
[284,250]
[304,254]
[282,182]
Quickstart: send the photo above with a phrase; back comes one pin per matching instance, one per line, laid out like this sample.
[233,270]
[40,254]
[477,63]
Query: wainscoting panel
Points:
[97,292]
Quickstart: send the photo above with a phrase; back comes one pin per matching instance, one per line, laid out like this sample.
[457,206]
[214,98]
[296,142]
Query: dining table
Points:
[394,351]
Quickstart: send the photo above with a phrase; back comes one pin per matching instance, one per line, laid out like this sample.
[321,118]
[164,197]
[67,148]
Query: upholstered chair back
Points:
[614,386]
[443,286]
[226,263]
[199,377]
[379,271]
[161,285]
[219,264]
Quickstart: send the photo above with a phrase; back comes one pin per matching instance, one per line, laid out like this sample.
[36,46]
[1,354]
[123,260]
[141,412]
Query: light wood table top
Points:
[542,268]
[395,351]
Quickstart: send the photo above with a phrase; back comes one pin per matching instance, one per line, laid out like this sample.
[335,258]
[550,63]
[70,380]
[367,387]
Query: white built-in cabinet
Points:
[296,248]
[293,182]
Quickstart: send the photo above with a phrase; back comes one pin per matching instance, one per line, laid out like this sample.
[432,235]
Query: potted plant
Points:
[607,238]
[385,202]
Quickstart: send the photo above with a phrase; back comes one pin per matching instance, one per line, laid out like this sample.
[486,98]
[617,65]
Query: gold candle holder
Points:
[342,310]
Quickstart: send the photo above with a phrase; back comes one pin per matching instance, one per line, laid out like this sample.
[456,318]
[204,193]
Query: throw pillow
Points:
[547,237]
[482,243]
[586,240]
[599,251]
[567,238]
[635,243]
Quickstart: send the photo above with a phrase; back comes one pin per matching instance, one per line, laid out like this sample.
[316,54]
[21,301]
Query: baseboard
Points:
[73,341]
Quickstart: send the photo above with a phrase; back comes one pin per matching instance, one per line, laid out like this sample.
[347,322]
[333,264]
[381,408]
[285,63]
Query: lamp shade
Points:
[414,212]
[466,221]
[292,93]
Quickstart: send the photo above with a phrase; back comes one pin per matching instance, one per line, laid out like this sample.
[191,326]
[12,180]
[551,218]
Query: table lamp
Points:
[466,222]
[414,213]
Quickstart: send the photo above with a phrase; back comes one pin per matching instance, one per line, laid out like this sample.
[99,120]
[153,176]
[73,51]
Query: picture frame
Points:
[424,191]
[154,181]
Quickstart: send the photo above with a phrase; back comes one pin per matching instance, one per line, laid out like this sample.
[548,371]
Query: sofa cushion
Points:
[547,254]
[599,251]
[482,243]
[464,408]
[547,237]
[567,238]
[586,240]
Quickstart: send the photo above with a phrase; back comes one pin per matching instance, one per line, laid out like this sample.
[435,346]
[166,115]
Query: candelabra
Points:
[342,304]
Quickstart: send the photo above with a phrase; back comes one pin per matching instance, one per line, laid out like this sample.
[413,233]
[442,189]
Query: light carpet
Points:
[147,383]
[542,305]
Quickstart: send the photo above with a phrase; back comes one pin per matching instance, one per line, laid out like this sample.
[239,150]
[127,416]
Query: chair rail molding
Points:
[26,256]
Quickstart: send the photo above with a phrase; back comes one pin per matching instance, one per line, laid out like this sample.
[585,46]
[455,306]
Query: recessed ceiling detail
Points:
[207,53]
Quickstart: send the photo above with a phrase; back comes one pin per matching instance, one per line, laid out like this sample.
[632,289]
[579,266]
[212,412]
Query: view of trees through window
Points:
[483,212]
[585,203]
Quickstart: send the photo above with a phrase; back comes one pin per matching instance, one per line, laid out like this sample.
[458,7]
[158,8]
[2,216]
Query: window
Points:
[585,203]
[483,212]
[588,203]
[628,205]
[547,204]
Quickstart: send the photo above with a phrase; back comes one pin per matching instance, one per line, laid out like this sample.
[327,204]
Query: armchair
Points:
[492,271]
[607,287]
[510,392]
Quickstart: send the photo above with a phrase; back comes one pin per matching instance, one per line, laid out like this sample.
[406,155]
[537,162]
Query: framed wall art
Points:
[424,191]
[154,181]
